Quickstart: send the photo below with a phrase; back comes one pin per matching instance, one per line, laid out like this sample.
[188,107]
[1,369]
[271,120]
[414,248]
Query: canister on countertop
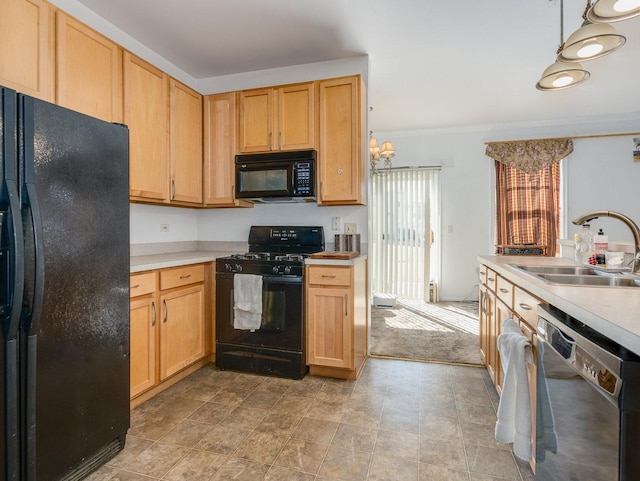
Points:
[347,242]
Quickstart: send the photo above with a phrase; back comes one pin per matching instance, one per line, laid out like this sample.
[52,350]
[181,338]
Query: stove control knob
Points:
[238,268]
[287,270]
[275,269]
[227,267]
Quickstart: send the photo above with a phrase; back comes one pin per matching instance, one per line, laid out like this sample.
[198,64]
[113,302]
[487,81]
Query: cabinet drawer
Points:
[504,290]
[524,304]
[482,274]
[491,279]
[329,275]
[141,284]
[181,276]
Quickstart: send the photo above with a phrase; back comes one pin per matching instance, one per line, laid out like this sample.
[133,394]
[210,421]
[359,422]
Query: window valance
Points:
[530,156]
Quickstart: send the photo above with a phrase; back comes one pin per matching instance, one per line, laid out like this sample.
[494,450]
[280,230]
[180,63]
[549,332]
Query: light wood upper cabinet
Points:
[186,144]
[341,167]
[220,151]
[146,112]
[88,70]
[26,47]
[279,118]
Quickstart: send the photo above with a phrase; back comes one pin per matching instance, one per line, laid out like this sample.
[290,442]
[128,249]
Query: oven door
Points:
[282,314]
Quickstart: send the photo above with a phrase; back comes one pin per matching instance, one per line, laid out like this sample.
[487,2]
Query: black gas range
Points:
[275,344]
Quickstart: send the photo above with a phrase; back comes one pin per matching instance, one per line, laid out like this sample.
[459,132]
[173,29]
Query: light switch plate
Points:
[350,228]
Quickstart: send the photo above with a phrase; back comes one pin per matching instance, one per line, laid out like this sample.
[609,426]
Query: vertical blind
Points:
[400,231]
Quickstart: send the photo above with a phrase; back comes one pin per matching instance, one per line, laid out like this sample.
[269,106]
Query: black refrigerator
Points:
[64,297]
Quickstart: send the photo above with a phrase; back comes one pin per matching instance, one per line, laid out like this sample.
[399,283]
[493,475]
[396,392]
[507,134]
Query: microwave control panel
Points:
[303,178]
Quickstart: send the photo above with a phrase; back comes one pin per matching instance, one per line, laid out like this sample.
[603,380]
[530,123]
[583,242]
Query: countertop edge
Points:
[173,259]
[612,311]
[336,262]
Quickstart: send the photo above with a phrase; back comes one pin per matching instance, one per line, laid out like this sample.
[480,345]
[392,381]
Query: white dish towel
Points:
[247,301]
[514,410]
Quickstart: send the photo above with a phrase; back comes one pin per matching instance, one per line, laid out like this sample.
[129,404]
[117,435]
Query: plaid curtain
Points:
[528,208]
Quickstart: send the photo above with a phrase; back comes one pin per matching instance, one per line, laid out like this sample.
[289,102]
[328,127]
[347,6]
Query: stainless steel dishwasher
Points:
[588,403]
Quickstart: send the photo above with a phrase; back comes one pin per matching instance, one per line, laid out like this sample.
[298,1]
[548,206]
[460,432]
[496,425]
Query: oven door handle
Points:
[282,279]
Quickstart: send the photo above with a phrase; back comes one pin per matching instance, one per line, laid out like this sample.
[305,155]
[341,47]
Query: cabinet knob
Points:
[339,171]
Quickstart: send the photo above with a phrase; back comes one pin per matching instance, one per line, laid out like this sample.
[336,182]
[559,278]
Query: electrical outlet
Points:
[350,228]
[164,227]
[335,223]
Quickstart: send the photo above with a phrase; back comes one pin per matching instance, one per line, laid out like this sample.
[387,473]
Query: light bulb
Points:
[626,5]
[562,81]
[589,49]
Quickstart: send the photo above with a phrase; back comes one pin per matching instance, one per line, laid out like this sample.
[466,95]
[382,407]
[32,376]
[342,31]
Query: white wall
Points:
[600,175]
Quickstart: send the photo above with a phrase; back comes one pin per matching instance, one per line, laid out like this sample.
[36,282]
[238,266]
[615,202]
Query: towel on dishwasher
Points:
[247,301]
[514,410]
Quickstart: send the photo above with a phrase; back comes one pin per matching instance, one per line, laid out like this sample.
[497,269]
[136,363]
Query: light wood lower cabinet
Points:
[500,299]
[143,332]
[337,319]
[170,327]
[182,329]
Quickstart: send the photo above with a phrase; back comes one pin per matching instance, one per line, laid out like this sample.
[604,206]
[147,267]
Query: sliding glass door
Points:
[404,209]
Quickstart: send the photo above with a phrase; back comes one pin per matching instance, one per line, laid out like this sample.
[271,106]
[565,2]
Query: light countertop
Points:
[336,262]
[174,259]
[612,311]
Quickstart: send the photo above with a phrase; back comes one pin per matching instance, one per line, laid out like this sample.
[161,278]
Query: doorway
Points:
[403,233]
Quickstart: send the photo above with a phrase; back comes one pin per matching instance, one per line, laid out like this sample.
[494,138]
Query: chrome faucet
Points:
[635,230]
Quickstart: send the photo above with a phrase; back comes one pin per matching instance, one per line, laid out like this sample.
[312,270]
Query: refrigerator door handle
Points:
[31,207]
[33,318]
[16,263]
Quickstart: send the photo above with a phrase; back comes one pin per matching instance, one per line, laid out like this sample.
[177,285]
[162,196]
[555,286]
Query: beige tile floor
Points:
[400,421]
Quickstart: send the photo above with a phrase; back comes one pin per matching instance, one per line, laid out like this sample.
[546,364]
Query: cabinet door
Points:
[219,149]
[256,120]
[329,327]
[88,70]
[143,314]
[27,47]
[146,94]
[296,123]
[486,315]
[186,144]
[339,151]
[501,313]
[182,329]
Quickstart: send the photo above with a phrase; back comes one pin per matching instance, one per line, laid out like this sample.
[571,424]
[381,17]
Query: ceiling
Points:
[433,64]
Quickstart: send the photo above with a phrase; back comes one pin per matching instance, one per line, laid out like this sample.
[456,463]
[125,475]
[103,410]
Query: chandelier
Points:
[376,153]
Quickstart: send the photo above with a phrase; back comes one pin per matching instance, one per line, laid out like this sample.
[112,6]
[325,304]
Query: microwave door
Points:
[264,180]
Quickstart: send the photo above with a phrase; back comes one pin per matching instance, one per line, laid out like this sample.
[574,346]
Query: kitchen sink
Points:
[573,270]
[576,276]
[588,280]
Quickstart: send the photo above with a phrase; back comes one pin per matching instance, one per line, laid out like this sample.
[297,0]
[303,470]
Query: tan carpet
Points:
[441,332]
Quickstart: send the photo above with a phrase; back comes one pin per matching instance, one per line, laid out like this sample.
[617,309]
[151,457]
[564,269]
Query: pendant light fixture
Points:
[609,11]
[562,75]
[590,41]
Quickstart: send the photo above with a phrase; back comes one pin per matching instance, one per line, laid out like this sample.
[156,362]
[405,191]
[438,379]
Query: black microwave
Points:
[276,177]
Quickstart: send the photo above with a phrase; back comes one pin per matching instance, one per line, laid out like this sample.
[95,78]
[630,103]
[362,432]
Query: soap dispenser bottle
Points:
[584,244]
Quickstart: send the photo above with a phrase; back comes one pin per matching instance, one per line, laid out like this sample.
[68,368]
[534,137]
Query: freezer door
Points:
[74,192]
[11,287]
